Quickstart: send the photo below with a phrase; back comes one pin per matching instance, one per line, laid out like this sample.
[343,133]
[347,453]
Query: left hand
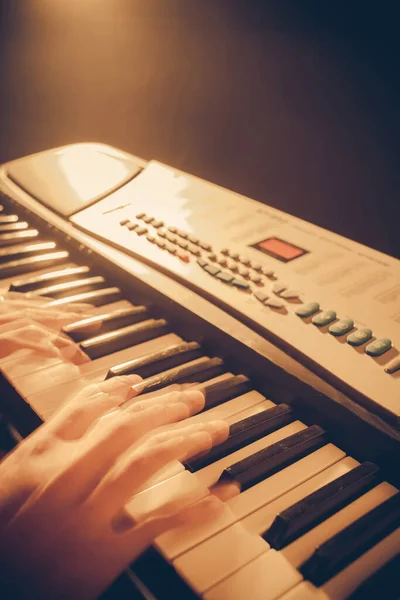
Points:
[64,531]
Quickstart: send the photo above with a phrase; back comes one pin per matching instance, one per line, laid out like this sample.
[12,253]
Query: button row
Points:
[248,263]
[233,266]
[190,237]
[223,276]
[343,326]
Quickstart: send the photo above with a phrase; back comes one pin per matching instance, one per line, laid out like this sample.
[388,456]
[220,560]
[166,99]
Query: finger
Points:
[146,416]
[136,467]
[22,299]
[82,308]
[98,454]
[39,338]
[75,418]
[196,400]
[10,344]
[54,319]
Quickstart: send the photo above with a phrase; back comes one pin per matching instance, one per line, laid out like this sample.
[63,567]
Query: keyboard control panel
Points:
[330,302]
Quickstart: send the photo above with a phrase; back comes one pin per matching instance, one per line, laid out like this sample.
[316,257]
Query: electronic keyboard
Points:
[292,331]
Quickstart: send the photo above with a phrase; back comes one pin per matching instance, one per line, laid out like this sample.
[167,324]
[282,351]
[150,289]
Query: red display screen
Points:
[279,249]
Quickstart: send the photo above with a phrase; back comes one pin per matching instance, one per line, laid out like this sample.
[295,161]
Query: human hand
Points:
[14,306]
[28,323]
[64,532]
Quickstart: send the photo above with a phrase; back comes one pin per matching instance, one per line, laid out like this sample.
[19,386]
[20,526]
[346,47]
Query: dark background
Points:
[294,103]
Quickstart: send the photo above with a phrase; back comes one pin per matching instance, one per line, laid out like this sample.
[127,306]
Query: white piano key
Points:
[212,561]
[175,466]
[183,485]
[5,283]
[179,540]
[305,591]
[175,542]
[260,520]
[249,412]
[63,373]
[346,582]
[48,401]
[278,484]
[210,474]
[301,549]
[265,578]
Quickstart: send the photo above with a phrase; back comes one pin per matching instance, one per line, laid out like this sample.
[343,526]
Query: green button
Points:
[341,327]
[378,347]
[324,317]
[359,337]
[225,276]
[307,310]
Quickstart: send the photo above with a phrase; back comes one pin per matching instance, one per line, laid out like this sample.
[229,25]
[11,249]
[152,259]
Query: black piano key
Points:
[38,281]
[151,364]
[8,239]
[384,583]
[200,370]
[245,432]
[4,219]
[65,288]
[106,343]
[32,263]
[12,253]
[79,330]
[353,541]
[266,462]
[11,226]
[321,504]
[222,391]
[96,297]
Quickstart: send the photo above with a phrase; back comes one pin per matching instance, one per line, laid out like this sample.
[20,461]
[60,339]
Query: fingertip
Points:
[194,399]
[123,382]
[219,430]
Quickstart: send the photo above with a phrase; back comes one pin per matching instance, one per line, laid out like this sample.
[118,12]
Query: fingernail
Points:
[219,430]
[193,398]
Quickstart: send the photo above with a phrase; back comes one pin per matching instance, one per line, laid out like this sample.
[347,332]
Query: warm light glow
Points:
[91,174]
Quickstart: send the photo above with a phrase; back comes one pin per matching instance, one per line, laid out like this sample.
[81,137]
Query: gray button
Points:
[268,272]
[157,224]
[289,294]
[274,303]
[278,287]
[225,276]
[141,230]
[232,266]
[206,246]
[171,237]
[243,271]
[261,296]
[256,266]
[256,278]
[212,269]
